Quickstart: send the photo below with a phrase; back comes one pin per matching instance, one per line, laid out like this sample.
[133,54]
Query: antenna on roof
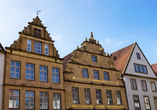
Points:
[38,11]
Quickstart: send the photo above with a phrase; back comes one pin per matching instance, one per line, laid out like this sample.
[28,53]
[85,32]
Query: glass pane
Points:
[32,66]
[11,92]
[16,93]
[26,99]
[32,94]
[53,70]
[54,105]
[26,105]
[32,105]
[27,94]
[17,64]
[45,74]
[57,70]
[41,68]
[27,65]
[17,70]
[12,63]
[16,102]
[12,69]
[17,75]
[45,68]
[11,74]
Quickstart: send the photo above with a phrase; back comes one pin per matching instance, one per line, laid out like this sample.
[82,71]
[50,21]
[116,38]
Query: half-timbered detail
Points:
[91,80]
[139,78]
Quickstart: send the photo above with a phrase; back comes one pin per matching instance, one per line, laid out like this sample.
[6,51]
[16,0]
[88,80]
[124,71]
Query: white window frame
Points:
[56,101]
[29,47]
[54,75]
[109,97]
[15,68]
[106,76]
[147,103]
[30,97]
[133,84]
[36,47]
[119,100]
[98,96]
[30,70]
[144,85]
[46,49]
[42,72]
[85,73]
[153,85]
[44,98]
[14,96]
[96,74]
[87,96]
[75,95]
[94,58]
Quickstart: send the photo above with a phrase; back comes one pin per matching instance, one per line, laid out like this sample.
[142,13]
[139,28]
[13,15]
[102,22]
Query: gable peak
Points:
[37,21]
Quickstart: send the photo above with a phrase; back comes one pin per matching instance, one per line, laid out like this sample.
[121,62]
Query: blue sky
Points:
[115,23]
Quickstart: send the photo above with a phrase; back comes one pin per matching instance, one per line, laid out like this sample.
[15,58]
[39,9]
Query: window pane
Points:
[136,67]
[136,103]
[147,104]
[13,99]
[15,69]
[55,75]
[106,76]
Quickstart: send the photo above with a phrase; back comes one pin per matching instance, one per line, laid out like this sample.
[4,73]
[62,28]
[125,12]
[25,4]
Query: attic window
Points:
[37,32]
[138,56]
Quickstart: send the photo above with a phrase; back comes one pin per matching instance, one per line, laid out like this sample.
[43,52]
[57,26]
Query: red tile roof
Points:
[154,66]
[121,56]
[65,60]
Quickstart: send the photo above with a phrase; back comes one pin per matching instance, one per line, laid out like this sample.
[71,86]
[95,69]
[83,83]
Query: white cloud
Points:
[57,37]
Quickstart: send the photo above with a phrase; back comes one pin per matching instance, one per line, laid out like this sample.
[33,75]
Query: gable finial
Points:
[91,34]
[38,11]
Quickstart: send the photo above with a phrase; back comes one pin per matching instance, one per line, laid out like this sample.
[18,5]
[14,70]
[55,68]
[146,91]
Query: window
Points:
[46,49]
[136,102]
[75,95]
[85,73]
[140,68]
[29,100]
[87,96]
[147,103]
[29,71]
[109,97]
[133,84]
[155,102]
[98,96]
[144,86]
[29,45]
[94,58]
[14,99]
[43,73]
[153,86]
[138,56]
[55,75]
[37,47]
[43,100]
[15,69]
[37,32]
[96,74]
[106,76]
[118,94]
[56,101]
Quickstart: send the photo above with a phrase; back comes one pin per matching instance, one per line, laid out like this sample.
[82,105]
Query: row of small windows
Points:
[96,74]
[146,102]
[143,84]
[37,47]
[15,72]
[140,68]
[87,96]
[30,99]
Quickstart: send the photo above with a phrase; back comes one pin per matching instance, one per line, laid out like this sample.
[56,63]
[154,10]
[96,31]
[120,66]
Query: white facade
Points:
[2,57]
[129,73]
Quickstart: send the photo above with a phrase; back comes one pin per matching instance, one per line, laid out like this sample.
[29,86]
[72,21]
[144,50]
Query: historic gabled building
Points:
[91,81]
[2,65]
[33,76]
[139,78]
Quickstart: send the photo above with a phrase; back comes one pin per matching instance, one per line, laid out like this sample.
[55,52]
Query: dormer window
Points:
[138,56]
[37,32]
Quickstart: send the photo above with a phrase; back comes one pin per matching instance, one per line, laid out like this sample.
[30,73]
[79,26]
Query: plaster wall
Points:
[1,76]
[139,92]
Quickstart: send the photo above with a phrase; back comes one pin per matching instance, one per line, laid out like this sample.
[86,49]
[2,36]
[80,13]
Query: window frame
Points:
[75,92]
[145,84]
[145,102]
[119,97]
[87,94]
[44,101]
[107,75]
[131,84]
[13,98]
[154,102]
[137,55]
[55,75]
[98,95]
[29,42]
[94,58]
[38,34]
[15,69]
[29,72]
[139,68]
[29,99]
[138,101]
[47,49]
[84,73]
[43,73]
[55,99]
[109,95]
[151,86]
[37,47]
[98,74]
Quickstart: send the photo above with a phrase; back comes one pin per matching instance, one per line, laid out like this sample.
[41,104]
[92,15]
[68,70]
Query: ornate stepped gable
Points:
[85,47]
[28,31]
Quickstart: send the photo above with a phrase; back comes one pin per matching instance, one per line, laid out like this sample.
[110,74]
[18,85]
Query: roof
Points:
[154,66]
[65,60]
[121,56]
